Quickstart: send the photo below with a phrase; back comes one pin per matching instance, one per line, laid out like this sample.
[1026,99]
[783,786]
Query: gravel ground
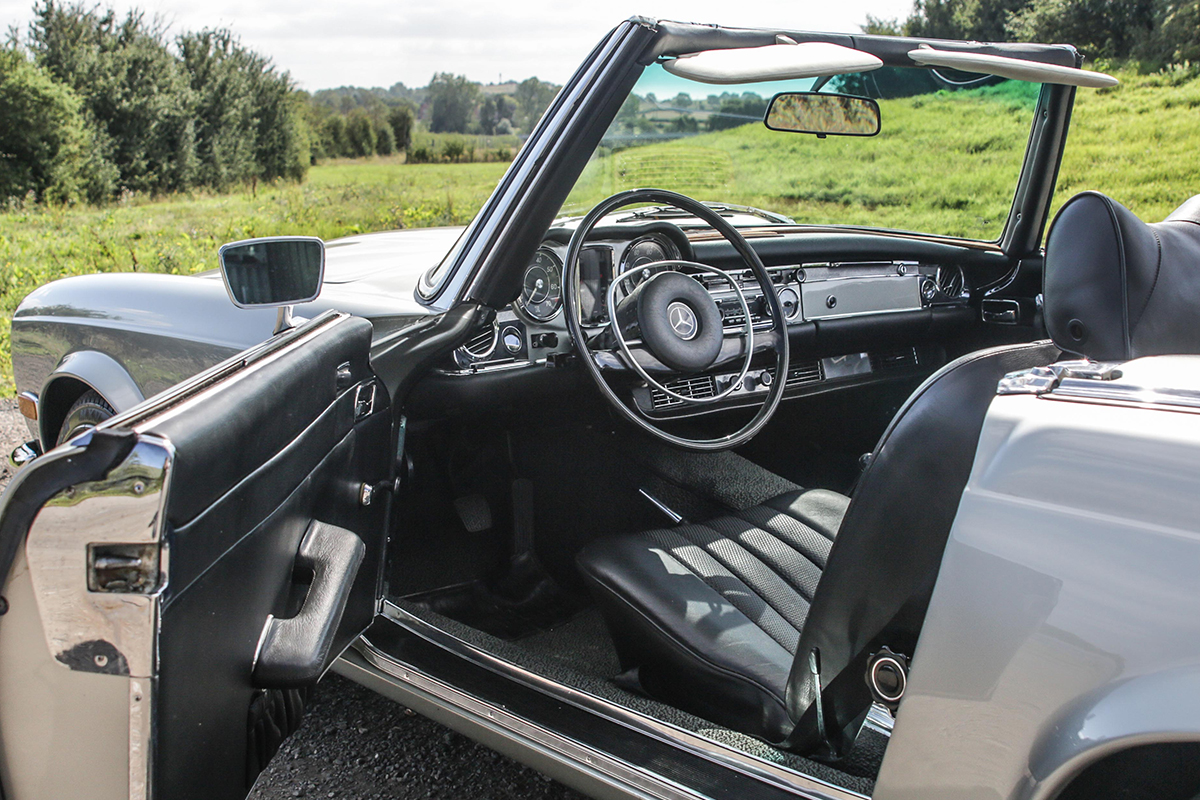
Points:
[355,744]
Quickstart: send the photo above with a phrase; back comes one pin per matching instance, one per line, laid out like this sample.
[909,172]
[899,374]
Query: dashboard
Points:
[842,296]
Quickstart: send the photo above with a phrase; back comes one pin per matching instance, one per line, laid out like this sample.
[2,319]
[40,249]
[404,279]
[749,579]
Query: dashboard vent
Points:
[699,387]
[801,374]
[482,344]
[950,281]
[893,360]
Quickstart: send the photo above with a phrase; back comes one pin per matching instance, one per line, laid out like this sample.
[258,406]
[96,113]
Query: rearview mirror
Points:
[275,271]
[823,114]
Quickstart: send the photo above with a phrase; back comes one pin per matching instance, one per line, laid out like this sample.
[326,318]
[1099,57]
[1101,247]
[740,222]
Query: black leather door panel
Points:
[262,456]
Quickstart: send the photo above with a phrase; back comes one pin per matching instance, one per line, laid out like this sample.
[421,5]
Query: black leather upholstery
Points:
[1117,288]
[710,614]
[714,621]
[884,563]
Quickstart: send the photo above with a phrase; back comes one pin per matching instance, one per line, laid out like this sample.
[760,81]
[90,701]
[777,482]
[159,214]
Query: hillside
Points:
[941,163]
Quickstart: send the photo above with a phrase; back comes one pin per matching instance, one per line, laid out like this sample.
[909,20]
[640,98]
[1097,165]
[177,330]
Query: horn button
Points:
[678,320]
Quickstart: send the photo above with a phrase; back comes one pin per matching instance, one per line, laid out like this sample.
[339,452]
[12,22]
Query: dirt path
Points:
[355,744]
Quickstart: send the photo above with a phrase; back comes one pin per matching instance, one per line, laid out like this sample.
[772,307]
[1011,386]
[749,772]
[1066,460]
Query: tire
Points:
[87,412]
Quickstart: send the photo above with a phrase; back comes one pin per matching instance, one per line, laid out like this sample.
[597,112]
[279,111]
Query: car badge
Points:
[683,320]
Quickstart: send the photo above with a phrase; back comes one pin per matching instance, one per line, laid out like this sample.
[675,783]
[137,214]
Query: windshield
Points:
[946,160]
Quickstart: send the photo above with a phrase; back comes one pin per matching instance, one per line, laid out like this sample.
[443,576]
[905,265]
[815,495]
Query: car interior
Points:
[626,482]
[694,538]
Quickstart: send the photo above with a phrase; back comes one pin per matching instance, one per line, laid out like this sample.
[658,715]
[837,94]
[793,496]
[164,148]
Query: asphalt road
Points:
[355,744]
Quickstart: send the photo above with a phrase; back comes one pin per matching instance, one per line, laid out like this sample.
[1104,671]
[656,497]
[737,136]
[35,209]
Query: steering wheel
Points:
[669,326]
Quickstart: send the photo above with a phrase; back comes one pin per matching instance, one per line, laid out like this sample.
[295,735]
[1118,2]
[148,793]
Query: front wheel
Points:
[87,412]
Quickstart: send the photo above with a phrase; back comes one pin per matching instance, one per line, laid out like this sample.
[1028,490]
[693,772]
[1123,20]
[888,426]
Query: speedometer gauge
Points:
[640,254]
[541,291]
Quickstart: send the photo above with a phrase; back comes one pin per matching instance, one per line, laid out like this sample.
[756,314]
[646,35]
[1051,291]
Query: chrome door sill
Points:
[722,755]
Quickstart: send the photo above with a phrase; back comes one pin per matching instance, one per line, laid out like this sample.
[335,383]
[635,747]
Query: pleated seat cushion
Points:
[710,614]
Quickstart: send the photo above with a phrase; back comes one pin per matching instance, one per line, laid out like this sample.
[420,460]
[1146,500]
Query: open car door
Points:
[179,576]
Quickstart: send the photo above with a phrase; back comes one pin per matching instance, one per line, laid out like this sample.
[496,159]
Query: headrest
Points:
[1117,288]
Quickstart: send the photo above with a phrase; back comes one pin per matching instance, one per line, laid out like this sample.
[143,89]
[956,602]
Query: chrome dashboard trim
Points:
[716,752]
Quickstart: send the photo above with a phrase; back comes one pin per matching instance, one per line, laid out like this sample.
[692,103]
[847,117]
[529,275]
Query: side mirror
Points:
[823,114]
[275,271]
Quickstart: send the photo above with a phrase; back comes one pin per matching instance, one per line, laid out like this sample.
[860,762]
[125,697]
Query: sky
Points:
[381,42]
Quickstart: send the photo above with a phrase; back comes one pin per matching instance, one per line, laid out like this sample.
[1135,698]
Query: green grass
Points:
[181,234]
[934,168]
[944,163]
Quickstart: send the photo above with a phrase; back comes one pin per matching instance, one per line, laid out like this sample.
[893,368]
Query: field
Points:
[182,234]
[1137,142]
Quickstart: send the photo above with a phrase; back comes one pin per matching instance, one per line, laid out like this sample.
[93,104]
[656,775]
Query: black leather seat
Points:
[729,618]
[731,595]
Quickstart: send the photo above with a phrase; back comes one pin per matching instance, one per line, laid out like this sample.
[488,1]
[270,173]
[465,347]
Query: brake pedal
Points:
[474,512]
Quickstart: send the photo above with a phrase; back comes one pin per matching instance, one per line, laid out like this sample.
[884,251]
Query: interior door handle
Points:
[295,652]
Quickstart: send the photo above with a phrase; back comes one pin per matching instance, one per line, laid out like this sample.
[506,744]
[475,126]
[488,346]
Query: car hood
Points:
[402,256]
[388,263]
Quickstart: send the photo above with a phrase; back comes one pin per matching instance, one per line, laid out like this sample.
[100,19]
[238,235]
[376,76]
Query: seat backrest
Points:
[1115,288]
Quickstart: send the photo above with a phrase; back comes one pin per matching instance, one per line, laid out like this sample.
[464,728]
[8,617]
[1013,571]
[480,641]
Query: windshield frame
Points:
[710,166]
[489,263]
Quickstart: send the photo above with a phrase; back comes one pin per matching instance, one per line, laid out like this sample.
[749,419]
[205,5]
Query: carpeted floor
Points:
[580,654]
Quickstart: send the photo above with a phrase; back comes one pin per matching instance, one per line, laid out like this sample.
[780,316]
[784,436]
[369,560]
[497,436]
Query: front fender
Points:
[94,370]
[1148,709]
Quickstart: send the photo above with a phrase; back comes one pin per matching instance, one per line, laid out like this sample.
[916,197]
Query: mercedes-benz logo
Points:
[683,320]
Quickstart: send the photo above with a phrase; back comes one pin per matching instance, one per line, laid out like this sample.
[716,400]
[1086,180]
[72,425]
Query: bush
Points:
[385,140]
[47,147]
[452,149]
[333,137]
[419,155]
[360,134]
[131,85]
[400,119]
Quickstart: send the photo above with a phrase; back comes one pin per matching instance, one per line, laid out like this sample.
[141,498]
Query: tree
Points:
[224,110]
[385,140]
[400,118]
[453,100]
[360,134]
[133,89]
[46,146]
[1100,28]
[333,135]
[685,123]
[247,123]
[735,111]
[532,98]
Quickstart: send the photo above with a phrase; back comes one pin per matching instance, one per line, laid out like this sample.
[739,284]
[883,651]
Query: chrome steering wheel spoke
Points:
[690,315]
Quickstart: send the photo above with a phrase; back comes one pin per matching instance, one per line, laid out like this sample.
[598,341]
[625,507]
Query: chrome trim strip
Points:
[670,513]
[617,769]
[880,720]
[141,737]
[698,745]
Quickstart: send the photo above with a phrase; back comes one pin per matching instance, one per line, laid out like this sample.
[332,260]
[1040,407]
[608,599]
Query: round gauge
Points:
[640,254]
[541,291]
